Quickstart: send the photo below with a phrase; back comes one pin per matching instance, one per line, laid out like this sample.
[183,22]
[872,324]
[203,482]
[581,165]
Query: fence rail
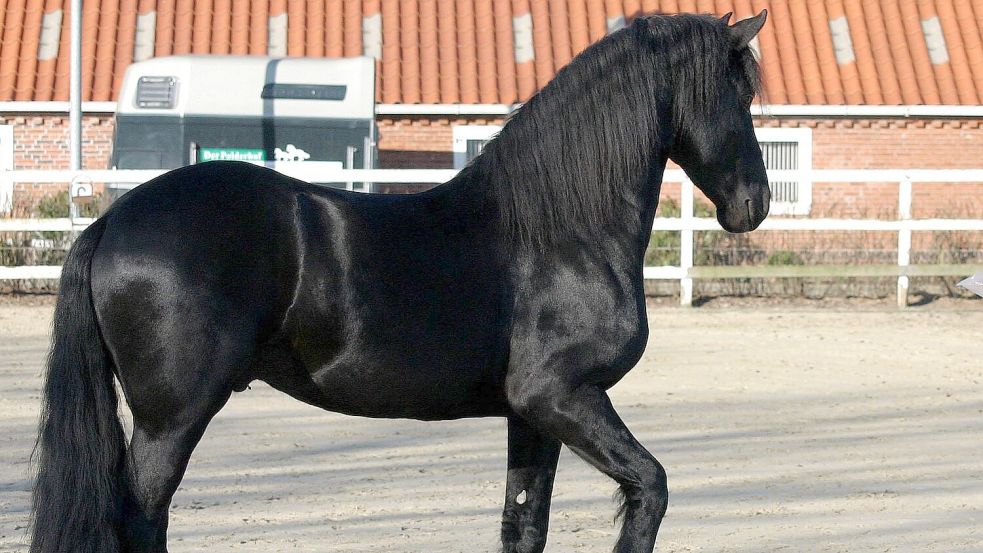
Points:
[686,224]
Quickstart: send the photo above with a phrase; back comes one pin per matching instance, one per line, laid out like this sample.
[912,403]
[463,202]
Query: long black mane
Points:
[567,162]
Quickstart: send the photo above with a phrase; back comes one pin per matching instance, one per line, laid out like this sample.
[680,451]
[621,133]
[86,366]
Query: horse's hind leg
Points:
[584,420]
[156,464]
[173,395]
[528,489]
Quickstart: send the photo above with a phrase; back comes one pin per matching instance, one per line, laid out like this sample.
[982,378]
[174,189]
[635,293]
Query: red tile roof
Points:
[501,51]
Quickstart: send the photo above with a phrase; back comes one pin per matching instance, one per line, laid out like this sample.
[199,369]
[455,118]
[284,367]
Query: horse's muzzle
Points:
[746,215]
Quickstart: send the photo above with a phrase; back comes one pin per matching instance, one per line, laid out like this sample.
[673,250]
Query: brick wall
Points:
[421,143]
[41,142]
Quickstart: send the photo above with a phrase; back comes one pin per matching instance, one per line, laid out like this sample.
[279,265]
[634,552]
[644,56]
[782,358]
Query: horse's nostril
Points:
[747,203]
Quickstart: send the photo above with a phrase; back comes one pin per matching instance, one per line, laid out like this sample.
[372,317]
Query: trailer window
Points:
[280,91]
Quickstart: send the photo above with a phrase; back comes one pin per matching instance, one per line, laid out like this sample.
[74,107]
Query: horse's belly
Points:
[426,393]
[372,384]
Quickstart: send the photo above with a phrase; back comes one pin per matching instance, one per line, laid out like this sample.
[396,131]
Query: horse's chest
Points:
[591,337]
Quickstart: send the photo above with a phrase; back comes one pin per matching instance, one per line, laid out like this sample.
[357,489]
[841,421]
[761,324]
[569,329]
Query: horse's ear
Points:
[744,30]
[726,18]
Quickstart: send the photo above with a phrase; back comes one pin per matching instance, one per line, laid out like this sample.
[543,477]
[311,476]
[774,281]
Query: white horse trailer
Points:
[182,110]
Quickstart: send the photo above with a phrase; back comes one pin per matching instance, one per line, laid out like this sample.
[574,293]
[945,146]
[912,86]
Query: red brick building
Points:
[848,83]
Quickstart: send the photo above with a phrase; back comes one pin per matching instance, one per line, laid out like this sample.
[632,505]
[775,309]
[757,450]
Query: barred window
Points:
[469,140]
[788,150]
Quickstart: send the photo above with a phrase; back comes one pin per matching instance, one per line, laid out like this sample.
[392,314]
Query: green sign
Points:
[230,154]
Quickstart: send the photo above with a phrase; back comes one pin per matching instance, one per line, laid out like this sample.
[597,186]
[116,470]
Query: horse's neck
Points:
[637,229]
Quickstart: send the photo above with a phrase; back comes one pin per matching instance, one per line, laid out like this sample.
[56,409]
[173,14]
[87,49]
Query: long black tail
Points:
[81,445]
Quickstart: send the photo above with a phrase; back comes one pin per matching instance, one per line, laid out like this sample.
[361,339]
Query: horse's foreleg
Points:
[584,420]
[528,489]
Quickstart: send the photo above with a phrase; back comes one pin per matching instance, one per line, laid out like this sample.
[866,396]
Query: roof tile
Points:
[579,27]
[596,22]
[10,46]
[27,58]
[334,41]
[390,52]
[891,86]
[933,36]
[429,53]
[903,62]
[848,68]
[105,50]
[908,45]
[409,41]
[353,25]
[560,31]
[525,64]
[125,41]
[542,42]
[62,76]
[805,47]
[771,66]
[447,53]
[239,28]
[484,24]
[823,45]
[500,51]
[787,53]
[970,33]
[962,73]
[467,57]
[505,53]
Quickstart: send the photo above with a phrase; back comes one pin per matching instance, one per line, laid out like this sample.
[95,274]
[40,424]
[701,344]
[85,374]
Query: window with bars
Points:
[788,150]
[469,141]
[782,155]
[474,148]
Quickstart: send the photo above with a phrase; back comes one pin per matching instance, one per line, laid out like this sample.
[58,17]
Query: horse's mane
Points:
[569,159]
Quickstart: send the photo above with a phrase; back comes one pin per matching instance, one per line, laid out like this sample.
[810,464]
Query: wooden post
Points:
[686,242]
[904,238]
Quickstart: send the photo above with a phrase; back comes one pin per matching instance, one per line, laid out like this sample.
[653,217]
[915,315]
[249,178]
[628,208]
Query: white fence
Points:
[686,224]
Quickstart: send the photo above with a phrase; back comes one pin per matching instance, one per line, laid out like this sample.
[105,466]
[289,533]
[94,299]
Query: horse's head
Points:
[714,138]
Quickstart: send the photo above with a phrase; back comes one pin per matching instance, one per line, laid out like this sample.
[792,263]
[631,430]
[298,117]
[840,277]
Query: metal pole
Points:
[75,88]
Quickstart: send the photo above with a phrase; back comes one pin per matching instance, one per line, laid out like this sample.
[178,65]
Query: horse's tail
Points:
[80,450]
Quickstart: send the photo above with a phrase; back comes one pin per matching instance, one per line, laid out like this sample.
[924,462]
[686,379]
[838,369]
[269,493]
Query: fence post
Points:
[6,191]
[686,242]
[904,238]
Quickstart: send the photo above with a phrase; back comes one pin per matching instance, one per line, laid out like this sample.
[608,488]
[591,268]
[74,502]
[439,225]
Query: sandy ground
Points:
[782,429]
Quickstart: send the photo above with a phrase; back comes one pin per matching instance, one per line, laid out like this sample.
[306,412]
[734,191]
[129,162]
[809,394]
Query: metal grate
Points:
[156,92]
[779,156]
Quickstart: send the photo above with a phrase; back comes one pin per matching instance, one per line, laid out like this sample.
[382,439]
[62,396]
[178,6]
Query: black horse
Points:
[514,290]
